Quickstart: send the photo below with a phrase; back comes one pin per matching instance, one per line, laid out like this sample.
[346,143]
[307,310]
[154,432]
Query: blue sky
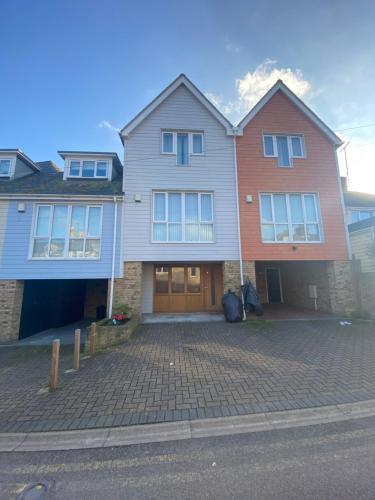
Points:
[73,71]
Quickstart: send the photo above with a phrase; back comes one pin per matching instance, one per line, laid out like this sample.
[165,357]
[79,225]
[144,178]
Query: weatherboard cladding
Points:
[14,258]
[146,169]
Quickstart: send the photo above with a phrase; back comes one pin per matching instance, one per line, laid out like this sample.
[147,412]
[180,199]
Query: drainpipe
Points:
[238,219]
[113,259]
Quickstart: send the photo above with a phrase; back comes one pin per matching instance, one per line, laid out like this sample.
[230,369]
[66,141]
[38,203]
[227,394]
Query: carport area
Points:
[293,289]
[53,304]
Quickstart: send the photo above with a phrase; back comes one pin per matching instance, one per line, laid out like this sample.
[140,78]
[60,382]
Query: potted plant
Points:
[120,314]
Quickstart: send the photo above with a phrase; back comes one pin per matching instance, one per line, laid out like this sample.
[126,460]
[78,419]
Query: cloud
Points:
[108,125]
[255,84]
[231,47]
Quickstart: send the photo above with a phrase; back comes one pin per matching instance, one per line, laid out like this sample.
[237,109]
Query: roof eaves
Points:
[280,86]
[180,80]
[20,154]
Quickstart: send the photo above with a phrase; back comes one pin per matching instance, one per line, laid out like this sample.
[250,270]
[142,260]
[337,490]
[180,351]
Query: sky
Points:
[73,72]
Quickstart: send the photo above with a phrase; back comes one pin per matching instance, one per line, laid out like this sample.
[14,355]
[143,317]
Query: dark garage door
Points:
[51,304]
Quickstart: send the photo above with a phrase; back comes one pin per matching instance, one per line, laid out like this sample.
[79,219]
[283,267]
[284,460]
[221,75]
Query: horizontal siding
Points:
[4,205]
[15,263]
[363,248]
[146,169]
[316,173]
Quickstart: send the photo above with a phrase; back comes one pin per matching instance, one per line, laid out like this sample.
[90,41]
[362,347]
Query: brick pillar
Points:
[11,296]
[128,290]
[341,287]
[249,272]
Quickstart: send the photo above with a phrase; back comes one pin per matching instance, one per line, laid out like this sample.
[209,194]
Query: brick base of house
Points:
[128,290]
[11,296]
[333,279]
[232,276]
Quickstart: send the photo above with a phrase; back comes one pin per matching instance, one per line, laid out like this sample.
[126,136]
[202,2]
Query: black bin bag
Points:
[232,305]
[251,299]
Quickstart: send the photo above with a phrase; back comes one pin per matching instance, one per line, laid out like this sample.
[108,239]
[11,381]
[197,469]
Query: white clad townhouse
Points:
[181,247]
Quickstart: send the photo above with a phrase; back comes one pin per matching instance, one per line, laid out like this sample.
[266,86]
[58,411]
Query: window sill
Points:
[66,259]
[184,242]
[292,242]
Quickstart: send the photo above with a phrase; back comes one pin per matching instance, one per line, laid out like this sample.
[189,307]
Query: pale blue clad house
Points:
[60,234]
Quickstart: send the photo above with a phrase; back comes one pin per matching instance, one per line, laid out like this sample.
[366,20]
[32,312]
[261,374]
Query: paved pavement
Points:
[332,461]
[190,371]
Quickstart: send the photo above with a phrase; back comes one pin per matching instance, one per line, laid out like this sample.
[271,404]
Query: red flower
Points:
[119,317]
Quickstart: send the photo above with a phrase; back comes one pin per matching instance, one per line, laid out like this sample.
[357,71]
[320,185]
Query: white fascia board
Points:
[180,80]
[279,85]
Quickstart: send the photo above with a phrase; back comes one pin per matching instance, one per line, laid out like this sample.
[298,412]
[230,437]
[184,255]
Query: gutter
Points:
[238,219]
[39,197]
[113,258]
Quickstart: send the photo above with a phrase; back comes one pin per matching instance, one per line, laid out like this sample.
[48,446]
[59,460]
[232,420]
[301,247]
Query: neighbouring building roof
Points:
[358,199]
[180,80]
[49,181]
[280,86]
[362,224]
[115,159]
[48,167]
[21,155]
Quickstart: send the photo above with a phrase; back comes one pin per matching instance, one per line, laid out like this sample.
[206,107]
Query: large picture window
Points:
[291,217]
[183,217]
[67,232]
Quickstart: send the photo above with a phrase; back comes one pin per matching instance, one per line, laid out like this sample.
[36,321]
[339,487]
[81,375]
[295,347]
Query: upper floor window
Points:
[291,217]
[284,148]
[358,215]
[5,164]
[67,232]
[88,168]
[183,145]
[183,217]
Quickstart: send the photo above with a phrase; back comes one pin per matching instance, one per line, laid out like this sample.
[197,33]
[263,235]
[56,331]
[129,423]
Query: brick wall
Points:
[11,296]
[96,295]
[341,287]
[128,290]
[232,277]
[366,293]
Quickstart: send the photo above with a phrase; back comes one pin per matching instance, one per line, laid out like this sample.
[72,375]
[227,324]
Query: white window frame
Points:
[289,222]
[289,138]
[183,219]
[190,134]
[67,232]
[359,210]
[80,161]
[11,166]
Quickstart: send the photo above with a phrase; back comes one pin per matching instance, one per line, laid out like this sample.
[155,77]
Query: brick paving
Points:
[169,372]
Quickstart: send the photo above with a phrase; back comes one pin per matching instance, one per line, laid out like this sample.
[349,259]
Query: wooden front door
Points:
[187,287]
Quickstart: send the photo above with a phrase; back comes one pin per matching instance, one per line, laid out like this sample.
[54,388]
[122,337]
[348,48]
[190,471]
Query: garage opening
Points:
[56,303]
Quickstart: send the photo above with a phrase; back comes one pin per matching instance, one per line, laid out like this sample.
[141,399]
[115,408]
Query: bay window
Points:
[67,231]
[183,145]
[183,217]
[284,148]
[290,217]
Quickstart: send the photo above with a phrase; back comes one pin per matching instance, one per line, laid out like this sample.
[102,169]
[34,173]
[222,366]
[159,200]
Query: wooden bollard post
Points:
[54,364]
[92,336]
[77,348]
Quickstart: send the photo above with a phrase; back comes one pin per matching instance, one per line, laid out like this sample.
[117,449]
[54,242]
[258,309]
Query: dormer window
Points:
[284,148]
[183,145]
[88,169]
[5,164]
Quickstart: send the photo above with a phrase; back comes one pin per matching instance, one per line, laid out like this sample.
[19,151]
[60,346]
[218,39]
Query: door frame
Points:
[275,268]
[205,286]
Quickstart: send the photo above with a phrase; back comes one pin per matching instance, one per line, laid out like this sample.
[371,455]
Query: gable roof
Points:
[361,224]
[180,80]
[48,167]
[280,86]
[21,155]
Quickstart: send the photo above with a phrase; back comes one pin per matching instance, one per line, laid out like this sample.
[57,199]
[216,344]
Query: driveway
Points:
[184,371]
